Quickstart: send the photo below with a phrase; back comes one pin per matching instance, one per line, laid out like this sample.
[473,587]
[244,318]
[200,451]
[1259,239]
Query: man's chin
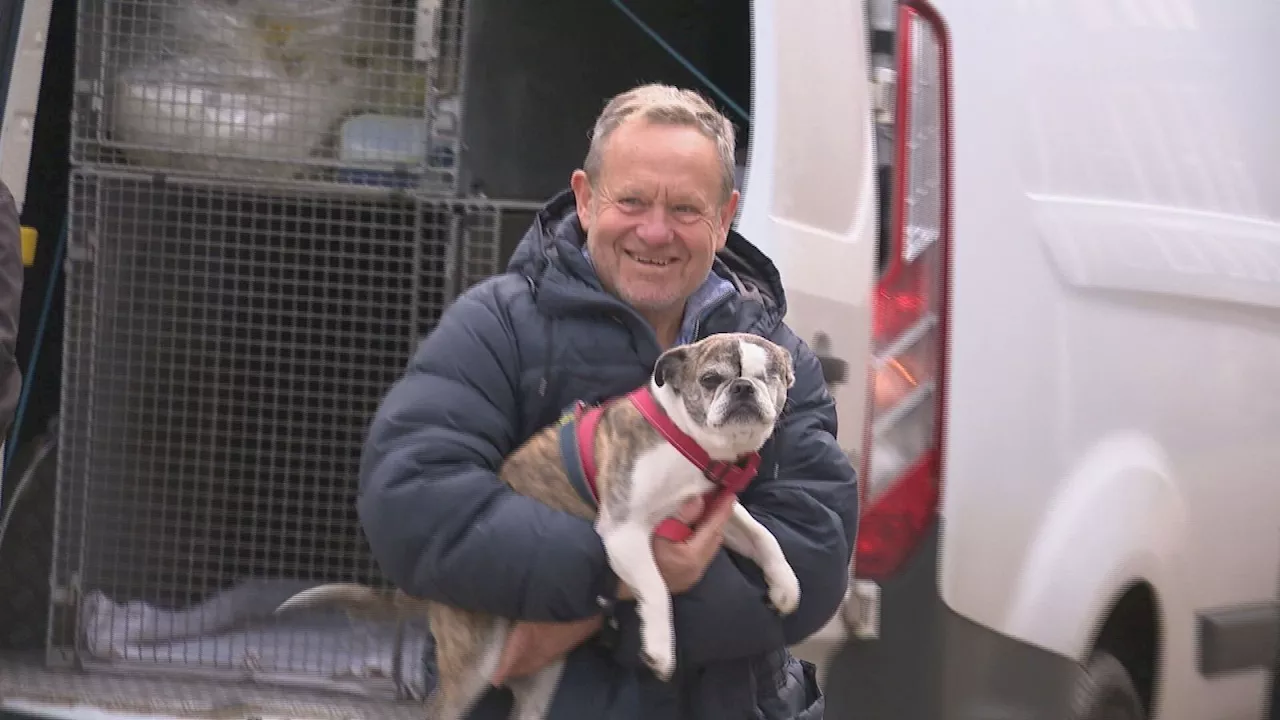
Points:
[652,302]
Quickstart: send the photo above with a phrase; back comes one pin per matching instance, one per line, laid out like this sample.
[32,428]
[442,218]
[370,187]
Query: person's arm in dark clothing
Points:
[439,521]
[811,507]
[11,272]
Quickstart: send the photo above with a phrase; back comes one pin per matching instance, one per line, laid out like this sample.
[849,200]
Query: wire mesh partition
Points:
[225,347]
[350,91]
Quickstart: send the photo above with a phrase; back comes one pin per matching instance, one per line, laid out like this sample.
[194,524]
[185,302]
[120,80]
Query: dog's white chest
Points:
[662,479]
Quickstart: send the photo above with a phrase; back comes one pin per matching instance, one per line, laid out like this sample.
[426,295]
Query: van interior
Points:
[224,445]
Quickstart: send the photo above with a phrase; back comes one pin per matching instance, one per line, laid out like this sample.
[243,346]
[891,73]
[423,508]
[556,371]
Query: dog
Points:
[695,429]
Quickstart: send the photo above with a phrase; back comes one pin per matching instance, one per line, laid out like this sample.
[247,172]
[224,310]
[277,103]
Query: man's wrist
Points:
[624,592]
[609,631]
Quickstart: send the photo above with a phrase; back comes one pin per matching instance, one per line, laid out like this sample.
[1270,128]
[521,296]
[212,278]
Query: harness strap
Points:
[734,477]
[579,460]
[577,448]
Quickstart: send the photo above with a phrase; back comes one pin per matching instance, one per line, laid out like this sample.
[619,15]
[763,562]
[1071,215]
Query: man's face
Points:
[654,219]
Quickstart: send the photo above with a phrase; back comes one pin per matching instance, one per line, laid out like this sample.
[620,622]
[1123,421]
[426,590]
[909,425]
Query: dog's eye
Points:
[711,381]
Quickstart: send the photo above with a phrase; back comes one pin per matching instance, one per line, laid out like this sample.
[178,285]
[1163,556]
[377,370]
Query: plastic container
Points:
[392,142]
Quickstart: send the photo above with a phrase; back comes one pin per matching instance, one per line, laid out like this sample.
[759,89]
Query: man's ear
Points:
[727,213]
[668,365]
[582,196]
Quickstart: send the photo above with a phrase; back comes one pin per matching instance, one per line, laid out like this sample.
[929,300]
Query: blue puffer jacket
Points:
[506,358]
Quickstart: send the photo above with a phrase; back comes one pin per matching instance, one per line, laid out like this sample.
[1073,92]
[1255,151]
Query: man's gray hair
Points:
[666,105]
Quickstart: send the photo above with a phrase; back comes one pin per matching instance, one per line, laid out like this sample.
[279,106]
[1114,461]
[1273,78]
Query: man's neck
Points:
[666,326]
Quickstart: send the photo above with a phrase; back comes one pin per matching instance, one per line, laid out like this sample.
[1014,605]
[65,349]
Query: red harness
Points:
[729,478]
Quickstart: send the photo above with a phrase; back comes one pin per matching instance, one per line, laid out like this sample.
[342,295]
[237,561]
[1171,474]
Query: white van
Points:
[1072,506]
[1037,243]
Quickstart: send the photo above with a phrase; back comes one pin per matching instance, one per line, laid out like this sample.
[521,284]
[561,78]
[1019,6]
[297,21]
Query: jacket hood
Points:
[550,257]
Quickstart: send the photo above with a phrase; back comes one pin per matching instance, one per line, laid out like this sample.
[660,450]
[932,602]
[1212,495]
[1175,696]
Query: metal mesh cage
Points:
[226,345]
[351,91]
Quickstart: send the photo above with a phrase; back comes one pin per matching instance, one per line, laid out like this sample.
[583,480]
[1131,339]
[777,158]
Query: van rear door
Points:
[810,199]
[24,26]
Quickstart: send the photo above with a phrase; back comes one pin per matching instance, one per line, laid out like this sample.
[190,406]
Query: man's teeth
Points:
[649,261]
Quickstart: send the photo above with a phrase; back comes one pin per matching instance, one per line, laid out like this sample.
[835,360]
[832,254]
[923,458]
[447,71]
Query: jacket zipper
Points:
[706,312]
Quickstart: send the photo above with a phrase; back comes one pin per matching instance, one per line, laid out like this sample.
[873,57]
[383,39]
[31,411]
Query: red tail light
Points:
[901,473]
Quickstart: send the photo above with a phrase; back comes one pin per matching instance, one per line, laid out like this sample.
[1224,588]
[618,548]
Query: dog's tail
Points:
[358,601]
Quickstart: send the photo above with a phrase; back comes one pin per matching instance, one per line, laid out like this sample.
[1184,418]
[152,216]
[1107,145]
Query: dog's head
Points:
[726,391]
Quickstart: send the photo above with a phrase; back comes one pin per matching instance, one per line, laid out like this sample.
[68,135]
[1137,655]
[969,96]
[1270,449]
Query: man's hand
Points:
[683,564]
[532,646]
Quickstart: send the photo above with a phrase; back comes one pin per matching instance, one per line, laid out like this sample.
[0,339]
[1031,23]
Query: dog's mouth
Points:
[744,411]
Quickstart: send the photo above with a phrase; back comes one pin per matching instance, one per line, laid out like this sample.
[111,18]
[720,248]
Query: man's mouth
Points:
[650,261]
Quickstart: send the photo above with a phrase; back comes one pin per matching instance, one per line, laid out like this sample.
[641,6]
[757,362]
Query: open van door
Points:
[809,196]
[24,28]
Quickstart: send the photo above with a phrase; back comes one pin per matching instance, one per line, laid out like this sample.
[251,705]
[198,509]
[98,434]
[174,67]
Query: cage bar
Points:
[227,344]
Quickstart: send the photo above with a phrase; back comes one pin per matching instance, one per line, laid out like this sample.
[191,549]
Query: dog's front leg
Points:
[745,535]
[631,557]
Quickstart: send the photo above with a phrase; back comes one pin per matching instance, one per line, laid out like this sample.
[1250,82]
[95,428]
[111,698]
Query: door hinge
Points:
[861,610]
[884,86]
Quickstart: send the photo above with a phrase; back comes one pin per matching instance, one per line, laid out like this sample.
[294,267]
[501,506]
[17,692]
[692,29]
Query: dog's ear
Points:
[668,365]
[783,365]
[788,367]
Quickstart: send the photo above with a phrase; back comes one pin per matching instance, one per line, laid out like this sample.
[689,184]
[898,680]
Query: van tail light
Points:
[902,453]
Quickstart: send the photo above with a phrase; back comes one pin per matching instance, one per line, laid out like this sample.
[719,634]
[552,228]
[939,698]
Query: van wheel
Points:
[1106,692]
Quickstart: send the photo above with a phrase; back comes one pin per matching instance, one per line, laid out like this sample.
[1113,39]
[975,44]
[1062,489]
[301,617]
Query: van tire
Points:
[1106,692]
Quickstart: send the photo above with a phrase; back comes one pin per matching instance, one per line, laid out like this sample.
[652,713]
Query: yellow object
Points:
[29,237]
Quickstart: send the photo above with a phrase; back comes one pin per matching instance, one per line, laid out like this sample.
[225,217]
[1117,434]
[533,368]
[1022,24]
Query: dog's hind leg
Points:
[468,648]
[533,694]
[631,557]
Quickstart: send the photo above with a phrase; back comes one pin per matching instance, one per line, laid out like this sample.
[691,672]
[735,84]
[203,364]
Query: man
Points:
[10,308]
[636,257]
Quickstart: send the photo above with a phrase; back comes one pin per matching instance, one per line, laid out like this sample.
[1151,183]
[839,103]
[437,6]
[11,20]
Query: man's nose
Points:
[655,227]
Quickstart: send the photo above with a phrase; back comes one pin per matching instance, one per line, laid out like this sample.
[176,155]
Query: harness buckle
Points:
[718,472]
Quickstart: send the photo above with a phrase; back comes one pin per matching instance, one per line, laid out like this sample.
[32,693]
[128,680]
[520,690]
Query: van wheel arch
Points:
[1121,672]
[1106,691]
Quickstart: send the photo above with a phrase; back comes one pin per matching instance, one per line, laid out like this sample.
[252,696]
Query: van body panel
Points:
[1114,403]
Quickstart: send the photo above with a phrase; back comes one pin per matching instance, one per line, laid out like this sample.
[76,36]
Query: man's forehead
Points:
[628,158]
[649,187]
[623,174]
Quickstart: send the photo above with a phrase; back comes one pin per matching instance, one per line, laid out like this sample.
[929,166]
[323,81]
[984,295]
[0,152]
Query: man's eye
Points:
[687,214]
[711,381]
[631,202]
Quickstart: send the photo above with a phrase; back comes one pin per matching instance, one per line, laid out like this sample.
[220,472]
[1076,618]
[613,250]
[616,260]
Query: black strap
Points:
[573,461]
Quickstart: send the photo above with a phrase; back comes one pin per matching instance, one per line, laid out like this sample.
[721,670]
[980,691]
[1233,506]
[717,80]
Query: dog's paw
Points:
[658,651]
[662,663]
[784,590]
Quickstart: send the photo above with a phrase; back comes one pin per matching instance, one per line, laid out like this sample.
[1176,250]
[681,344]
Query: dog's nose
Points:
[741,387]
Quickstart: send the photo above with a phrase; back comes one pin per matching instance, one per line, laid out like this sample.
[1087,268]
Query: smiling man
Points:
[636,257]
